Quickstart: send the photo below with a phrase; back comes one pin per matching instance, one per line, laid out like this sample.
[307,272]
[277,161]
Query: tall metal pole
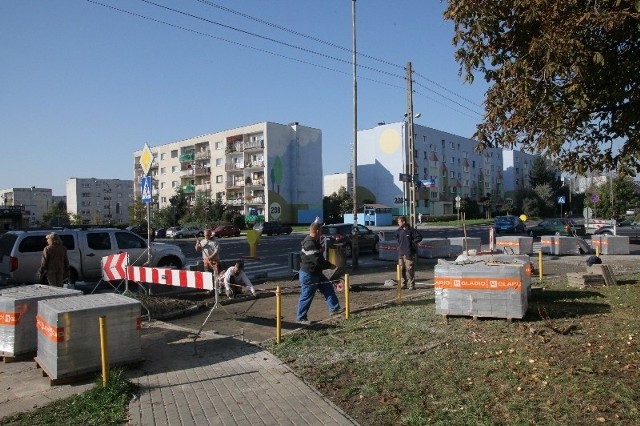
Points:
[354,240]
[412,159]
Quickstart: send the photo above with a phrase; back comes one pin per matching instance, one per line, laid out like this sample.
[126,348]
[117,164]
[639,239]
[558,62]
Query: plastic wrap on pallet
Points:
[388,250]
[431,248]
[515,244]
[18,309]
[611,244]
[559,245]
[481,290]
[69,333]
[461,244]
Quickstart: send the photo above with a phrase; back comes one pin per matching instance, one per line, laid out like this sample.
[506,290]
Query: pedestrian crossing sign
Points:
[145,189]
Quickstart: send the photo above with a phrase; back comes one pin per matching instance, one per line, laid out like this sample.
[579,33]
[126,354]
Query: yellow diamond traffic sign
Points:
[146,159]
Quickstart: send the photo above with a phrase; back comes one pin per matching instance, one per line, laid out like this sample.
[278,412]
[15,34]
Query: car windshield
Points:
[504,218]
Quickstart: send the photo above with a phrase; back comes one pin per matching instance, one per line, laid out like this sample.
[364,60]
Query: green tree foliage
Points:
[542,174]
[563,75]
[625,197]
[137,212]
[336,205]
[56,215]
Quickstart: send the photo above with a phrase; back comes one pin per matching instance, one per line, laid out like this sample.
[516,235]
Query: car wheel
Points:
[376,247]
[170,262]
[347,250]
[237,234]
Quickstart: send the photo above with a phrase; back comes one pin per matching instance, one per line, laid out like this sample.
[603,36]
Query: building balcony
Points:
[191,156]
[236,202]
[203,155]
[255,200]
[234,184]
[255,182]
[254,165]
[233,166]
[254,146]
[189,188]
[206,187]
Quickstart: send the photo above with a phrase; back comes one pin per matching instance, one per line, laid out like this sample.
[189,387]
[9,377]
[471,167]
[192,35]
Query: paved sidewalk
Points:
[227,382]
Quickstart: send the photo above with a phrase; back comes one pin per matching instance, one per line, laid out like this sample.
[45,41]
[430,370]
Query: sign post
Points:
[146,159]
[561,201]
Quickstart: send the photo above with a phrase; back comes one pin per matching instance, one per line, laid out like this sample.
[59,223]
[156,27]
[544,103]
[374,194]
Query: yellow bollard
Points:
[399,277]
[278,315]
[346,296]
[597,250]
[104,350]
[540,265]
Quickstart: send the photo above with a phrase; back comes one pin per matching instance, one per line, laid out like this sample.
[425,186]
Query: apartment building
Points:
[100,201]
[265,170]
[33,202]
[446,165]
[335,181]
[517,169]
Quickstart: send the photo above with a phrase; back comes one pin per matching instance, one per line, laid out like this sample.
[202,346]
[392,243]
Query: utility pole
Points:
[412,159]
[354,240]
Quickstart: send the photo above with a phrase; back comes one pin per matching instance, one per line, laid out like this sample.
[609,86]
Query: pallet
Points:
[20,357]
[83,376]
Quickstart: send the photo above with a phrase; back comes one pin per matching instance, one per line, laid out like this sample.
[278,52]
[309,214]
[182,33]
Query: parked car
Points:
[142,231]
[509,223]
[188,231]
[170,232]
[161,233]
[628,228]
[561,226]
[226,231]
[272,228]
[21,252]
[340,233]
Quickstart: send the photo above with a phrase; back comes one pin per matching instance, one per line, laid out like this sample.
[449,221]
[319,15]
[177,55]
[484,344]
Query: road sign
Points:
[405,177]
[146,189]
[587,213]
[595,198]
[561,199]
[146,159]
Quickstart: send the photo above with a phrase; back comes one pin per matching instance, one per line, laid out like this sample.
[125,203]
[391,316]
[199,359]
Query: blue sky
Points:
[84,86]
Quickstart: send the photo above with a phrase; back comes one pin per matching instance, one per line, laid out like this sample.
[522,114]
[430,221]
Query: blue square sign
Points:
[146,189]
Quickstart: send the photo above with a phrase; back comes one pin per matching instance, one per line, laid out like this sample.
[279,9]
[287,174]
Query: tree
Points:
[563,74]
[625,197]
[56,215]
[336,205]
[137,212]
[542,174]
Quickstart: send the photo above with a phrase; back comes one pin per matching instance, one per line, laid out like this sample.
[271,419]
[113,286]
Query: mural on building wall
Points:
[275,174]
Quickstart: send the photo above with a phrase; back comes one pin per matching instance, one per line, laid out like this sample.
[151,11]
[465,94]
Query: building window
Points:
[452,174]
[163,171]
[174,169]
[163,199]
[219,162]
[174,183]
[163,156]
[86,194]
[453,160]
[219,179]
[161,185]
[174,153]
[217,145]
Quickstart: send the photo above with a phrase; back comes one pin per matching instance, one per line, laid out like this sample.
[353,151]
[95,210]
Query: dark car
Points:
[226,231]
[340,233]
[272,228]
[142,231]
[161,233]
[560,226]
[626,228]
[511,224]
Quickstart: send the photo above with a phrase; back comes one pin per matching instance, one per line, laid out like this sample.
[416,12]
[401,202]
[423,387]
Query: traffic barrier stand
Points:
[113,268]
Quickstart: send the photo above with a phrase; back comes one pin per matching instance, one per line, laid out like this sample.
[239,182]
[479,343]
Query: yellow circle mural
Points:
[390,141]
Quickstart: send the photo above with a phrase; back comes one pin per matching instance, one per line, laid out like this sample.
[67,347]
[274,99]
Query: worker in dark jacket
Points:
[408,239]
[312,263]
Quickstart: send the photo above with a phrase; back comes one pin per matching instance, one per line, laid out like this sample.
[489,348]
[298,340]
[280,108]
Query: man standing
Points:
[312,263]
[408,239]
[210,252]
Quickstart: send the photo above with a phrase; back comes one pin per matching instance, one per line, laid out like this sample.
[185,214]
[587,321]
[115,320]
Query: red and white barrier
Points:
[173,277]
[114,267]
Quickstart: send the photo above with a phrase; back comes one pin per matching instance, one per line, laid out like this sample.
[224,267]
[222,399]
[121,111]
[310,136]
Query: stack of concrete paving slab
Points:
[515,244]
[18,309]
[69,333]
[388,250]
[610,244]
[481,289]
[431,248]
[559,245]
[460,245]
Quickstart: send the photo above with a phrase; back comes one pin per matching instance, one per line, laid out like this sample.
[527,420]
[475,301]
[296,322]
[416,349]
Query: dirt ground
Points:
[254,319]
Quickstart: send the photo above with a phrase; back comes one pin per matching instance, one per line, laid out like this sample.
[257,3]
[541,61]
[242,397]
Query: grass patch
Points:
[102,405]
[574,359]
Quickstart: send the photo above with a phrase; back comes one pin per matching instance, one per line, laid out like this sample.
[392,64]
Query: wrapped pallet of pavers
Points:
[481,289]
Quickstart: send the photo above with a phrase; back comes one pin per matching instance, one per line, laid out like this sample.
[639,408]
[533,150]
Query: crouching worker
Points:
[235,279]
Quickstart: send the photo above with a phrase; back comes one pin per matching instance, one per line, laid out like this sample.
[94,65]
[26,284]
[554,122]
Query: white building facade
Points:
[333,183]
[34,202]
[517,170]
[267,170]
[446,164]
[100,201]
